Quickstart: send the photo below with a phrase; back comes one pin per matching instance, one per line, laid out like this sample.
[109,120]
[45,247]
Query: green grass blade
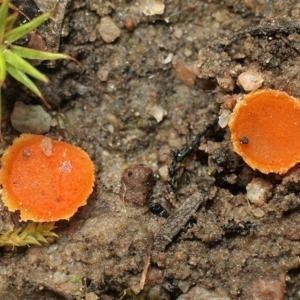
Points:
[25,80]
[2,68]
[36,54]
[22,30]
[24,66]
[10,20]
[3,16]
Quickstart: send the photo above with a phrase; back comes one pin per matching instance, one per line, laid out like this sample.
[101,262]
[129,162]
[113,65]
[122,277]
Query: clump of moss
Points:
[14,58]
[33,234]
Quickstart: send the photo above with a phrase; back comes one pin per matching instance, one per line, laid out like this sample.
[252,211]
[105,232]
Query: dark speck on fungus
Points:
[136,185]
[244,140]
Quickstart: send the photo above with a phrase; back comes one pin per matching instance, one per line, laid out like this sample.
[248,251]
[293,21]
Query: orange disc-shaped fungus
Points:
[45,179]
[265,130]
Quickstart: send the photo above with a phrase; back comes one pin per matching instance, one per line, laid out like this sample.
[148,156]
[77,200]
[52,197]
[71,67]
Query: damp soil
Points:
[152,98]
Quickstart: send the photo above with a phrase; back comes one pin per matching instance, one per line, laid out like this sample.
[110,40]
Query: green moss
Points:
[75,278]
[33,234]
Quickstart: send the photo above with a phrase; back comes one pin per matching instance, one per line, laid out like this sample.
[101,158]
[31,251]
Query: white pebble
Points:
[164,173]
[168,59]
[59,277]
[153,7]
[258,213]
[258,191]
[250,80]
[224,118]
[157,112]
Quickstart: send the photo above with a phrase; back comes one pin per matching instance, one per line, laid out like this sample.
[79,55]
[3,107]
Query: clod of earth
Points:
[136,185]
[46,180]
[265,130]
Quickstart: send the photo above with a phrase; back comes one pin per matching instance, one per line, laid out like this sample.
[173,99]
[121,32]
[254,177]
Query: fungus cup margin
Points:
[46,180]
[265,128]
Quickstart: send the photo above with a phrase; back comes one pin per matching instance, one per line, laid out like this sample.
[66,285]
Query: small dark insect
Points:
[170,285]
[244,140]
[241,227]
[158,210]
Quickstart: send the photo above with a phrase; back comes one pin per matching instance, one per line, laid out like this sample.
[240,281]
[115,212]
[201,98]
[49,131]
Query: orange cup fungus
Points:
[265,130]
[46,180]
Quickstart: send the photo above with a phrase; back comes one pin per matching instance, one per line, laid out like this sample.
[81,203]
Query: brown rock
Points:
[268,290]
[184,74]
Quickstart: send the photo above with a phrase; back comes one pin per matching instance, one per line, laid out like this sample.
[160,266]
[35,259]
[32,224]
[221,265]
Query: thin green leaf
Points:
[3,16]
[30,240]
[22,30]
[36,54]
[39,237]
[2,68]
[10,20]
[49,234]
[25,80]
[24,66]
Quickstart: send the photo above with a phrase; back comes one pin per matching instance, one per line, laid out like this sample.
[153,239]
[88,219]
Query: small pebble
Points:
[250,80]
[30,118]
[198,292]
[184,74]
[153,7]
[102,75]
[164,173]
[47,146]
[227,83]
[258,213]
[178,32]
[268,289]
[153,276]
[224,118]
[36,42]
[229,102]
[108,29]
[292,234]
[168,59]
[91,296]
[258,191]
[129,23]
[157,112]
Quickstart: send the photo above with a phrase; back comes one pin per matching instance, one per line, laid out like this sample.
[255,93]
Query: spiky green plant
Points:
[13,58]
[33,234]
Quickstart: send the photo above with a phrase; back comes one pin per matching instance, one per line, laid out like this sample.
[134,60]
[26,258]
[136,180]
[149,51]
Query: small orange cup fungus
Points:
[265,130]
[46,180]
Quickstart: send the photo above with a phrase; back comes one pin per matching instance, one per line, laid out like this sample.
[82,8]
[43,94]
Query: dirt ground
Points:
[152,97]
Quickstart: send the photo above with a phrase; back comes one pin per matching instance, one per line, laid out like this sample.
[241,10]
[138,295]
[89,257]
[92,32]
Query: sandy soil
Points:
[152,97]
